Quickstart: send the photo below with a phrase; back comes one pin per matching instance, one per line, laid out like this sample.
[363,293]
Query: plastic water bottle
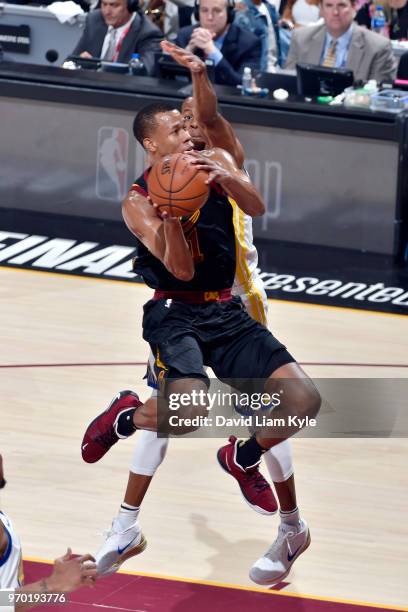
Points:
[136,66]
[246,80]
[378,20]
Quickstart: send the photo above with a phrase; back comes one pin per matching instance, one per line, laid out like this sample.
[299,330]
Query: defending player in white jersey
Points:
[11,563]
[68,573]
[11,566]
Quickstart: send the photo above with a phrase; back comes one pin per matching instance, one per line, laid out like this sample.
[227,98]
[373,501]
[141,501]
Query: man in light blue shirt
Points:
[342,47]
[216,55]
[366,53]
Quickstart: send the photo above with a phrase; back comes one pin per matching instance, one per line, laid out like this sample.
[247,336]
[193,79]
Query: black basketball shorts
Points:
[186,337]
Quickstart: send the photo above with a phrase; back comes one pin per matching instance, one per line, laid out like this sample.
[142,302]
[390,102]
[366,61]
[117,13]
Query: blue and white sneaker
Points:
[275,565]
[118,547]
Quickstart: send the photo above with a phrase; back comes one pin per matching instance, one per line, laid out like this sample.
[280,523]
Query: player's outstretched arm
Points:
[68,574]
[223,170]
[218,130]
[163,236]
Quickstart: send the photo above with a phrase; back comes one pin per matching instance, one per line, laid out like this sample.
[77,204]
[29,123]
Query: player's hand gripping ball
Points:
[176,186]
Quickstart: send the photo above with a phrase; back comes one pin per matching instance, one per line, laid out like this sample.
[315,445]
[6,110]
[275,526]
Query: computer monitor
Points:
[86,63]
[168,68]
[116,67]
[95,63]
[278,80]
[315,80]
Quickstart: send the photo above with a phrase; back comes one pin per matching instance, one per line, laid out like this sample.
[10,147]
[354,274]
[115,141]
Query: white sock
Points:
[290,518]
[127,516]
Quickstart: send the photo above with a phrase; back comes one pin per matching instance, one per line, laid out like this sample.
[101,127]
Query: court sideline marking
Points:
[246,588]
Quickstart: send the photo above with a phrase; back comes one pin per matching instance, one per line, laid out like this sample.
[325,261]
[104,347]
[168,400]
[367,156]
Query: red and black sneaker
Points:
[102,433]
[256,490]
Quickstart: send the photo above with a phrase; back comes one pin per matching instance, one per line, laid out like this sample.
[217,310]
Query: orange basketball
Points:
[176,186]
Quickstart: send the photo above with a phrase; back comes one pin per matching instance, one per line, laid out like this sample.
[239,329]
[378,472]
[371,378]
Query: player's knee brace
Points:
[149,453]
[279,461]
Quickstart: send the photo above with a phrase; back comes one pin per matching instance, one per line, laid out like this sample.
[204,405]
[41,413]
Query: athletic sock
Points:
[127,516]
[290,518]
[125,426]
[249,452]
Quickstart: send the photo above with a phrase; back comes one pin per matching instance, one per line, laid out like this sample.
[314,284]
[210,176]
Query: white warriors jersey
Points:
[11,565]
[247,283]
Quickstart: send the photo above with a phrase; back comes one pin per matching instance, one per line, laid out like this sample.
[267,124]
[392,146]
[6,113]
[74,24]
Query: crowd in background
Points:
[264,35]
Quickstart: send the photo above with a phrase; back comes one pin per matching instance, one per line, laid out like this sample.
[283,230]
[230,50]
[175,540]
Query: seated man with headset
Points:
[218,38]
[116,31]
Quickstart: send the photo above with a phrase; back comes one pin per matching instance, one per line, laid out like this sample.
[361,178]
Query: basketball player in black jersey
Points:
[206,125]
[192,320]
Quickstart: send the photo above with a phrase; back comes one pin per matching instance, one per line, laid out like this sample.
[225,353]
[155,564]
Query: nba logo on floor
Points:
[112,163]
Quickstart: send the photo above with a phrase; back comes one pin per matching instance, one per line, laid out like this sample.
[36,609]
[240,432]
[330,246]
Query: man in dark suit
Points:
[116,31]
[216,37]
[340,43]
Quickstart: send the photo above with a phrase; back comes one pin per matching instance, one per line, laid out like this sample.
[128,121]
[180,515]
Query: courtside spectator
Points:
[298,13]
[262,18]
[399,19]
[219,39]
[341,43]
[116,31]
[396,14]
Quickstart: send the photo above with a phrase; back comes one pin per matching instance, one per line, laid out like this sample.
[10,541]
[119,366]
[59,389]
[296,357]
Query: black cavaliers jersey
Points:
[210,235]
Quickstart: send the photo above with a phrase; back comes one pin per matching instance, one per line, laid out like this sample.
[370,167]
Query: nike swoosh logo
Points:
[122,550]
[85,445]
[290,557]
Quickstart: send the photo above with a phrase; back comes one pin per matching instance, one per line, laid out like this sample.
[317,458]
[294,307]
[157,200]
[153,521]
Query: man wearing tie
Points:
[116,31]
[340,43]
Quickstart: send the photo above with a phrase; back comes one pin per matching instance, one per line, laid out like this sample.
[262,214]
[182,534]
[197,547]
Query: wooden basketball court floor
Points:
[68,344]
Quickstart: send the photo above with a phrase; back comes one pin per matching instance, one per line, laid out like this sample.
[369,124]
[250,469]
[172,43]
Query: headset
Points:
[230,10]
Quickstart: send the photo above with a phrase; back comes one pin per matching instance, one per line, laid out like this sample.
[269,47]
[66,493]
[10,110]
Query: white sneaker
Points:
[276,563]
[118,547]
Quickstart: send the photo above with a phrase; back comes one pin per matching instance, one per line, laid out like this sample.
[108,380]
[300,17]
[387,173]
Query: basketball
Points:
[176,186]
